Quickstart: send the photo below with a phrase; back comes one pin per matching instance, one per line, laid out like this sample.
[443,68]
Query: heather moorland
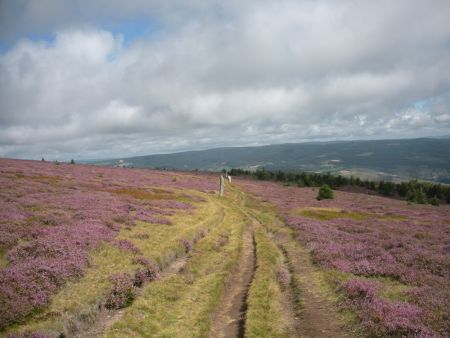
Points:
[95,251]
[389,260]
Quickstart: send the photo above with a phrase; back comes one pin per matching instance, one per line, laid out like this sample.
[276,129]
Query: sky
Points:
[111,78]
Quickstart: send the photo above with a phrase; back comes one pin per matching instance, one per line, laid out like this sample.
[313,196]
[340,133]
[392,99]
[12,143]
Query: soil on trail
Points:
[316,316]
[290,308]
[106,318]
[229,320]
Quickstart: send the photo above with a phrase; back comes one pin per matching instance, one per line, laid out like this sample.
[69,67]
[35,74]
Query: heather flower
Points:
[122,292]
[140,277]
[283,277]
[394,318]
[186,244]
[360,289]
[151,270]
[126,245]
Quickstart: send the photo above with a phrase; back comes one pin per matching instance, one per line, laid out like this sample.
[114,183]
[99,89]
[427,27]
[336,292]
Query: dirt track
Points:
[229,321]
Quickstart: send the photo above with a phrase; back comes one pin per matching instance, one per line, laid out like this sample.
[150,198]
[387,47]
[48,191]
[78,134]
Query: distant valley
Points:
[390,160]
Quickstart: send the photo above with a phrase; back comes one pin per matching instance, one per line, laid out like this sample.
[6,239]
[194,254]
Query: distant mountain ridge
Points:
[422,158]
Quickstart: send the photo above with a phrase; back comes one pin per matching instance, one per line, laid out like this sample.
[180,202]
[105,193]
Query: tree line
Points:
[413,191]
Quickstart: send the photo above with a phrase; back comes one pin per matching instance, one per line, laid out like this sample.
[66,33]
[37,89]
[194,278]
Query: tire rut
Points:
[106,318]
[316,315]
[308,312]
[229,320]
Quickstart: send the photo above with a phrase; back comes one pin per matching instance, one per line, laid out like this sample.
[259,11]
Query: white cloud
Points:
[443,118]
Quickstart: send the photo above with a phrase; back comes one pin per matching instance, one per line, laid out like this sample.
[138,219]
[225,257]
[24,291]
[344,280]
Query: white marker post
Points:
[222,184]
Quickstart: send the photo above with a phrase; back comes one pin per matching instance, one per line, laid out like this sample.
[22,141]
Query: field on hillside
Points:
[90,251]
[70,234]
[389,261]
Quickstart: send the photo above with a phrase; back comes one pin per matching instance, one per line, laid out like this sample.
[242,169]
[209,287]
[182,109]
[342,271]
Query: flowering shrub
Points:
[186,244]
[360,289]
[122,292]
[150,271]
[126,245]
[383,318]
[283,277]
[376,237]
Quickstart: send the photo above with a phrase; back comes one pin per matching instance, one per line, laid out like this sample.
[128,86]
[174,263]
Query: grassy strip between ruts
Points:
[78,302]
[182,305]
[264,314]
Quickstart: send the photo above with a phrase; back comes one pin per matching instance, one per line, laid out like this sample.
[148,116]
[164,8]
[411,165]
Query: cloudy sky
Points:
[111,78]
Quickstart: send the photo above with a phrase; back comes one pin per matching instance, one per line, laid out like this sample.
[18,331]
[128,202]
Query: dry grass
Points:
[144,194]
[326,214]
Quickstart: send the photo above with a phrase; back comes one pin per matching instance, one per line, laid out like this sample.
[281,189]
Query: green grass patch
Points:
[143,194]
[326,214]
[3,261]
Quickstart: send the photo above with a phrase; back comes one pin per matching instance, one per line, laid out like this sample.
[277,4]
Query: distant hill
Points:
[422,158]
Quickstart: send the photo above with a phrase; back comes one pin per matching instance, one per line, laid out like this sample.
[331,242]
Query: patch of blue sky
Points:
[3,47]
[47,38]
[143,27]
[131,30]
[426,103]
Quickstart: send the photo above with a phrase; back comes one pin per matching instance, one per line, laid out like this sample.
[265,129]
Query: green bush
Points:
[325,192]
[435,201]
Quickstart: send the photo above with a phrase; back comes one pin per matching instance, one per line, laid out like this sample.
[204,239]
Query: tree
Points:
[416,194]
[435,201]
[325,192]
[261,174]
[280,176]
[386,188]
[421,196]
[72,161]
